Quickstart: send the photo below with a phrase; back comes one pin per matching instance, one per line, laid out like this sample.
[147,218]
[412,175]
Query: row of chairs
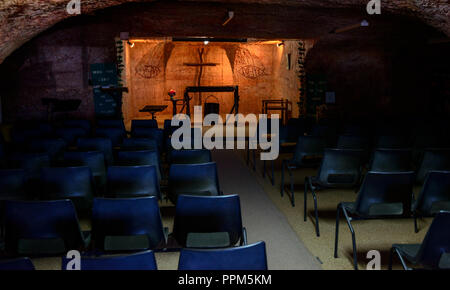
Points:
[78,183]
[40,228]
[249,257]
[386,190]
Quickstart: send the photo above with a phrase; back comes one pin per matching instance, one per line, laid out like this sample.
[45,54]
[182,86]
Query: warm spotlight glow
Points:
[280,44]
[205,42]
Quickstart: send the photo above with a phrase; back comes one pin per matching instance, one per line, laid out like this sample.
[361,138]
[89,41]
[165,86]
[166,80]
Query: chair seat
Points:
[409,251]
[126,243]
[208,240]
[377,210]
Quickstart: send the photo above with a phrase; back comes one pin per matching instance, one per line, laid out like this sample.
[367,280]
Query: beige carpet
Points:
[370,235]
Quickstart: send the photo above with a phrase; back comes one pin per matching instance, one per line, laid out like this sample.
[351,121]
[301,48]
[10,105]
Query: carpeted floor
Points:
[370,235]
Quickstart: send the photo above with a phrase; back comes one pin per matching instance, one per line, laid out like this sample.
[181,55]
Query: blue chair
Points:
[168,128]
[193,179]
[150,133]
[32,163]
[74,183]
[434,196]
[209,222]
[18,264]
[251,257]
[139,158]
[127,224]
[133,181]
[116,135]
[32,131]
[193,156]
[433,253]
[139,144]
[83,124]
[352,142]
[42,228]
[340,168]
[53,147]
[142,261]
[13,184]
[95,160]
[71,135]
[382,195]
[393,142]
[433,160]
[103,145]
[143,124]
[391,160]
[111,123]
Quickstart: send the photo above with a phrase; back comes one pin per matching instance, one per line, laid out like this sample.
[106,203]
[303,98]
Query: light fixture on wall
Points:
[131,44]
[206,42]
[281,43]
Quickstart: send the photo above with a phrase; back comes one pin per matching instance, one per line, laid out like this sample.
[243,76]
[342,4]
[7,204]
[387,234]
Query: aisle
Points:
[261,217]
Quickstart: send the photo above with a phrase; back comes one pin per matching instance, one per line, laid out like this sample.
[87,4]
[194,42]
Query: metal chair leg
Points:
[391,258]
[273,172]
[305,199]
[264,169]
[283,163]
[292,188]
[336,238]
[316,213]
[416,228]
[355,258]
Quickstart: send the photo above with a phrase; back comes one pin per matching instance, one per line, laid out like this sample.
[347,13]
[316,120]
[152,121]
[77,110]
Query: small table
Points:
[153,109]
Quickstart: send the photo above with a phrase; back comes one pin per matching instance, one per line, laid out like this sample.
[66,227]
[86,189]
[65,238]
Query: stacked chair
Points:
[52,175]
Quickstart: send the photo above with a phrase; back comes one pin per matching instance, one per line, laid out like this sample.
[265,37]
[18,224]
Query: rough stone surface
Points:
[21,20]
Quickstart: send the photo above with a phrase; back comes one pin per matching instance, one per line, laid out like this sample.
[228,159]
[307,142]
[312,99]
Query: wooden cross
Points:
[201,64]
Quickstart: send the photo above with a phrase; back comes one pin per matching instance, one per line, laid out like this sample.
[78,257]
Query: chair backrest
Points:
[433,159]
[116,135]
[111,123]
[41,227]
[133,181]
[435,193]
[436,244]
[138,261]
[18,264]
[12,184]
[352,142]
[340,167]
[32,163]
[84,124]
[53,147]
[74,183]
[393,141]
[71,135]
[190,156]
[139,158]
[208,214]
[391,160]
[308,146]
[251,257]
[95,160]
[143,124]
[151,133]
[193,179]
[385,194]
[113,220]
[139,144]
[103,145]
